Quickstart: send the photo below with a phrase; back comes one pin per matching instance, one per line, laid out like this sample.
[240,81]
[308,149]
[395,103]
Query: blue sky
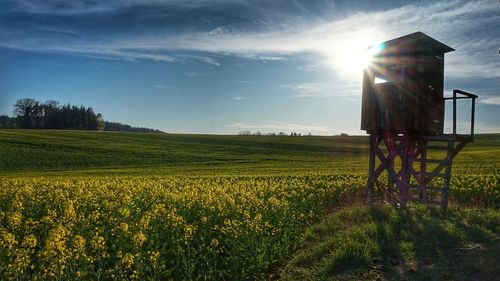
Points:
[231,65]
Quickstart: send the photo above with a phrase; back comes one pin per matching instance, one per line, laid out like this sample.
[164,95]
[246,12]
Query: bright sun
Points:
[350,55]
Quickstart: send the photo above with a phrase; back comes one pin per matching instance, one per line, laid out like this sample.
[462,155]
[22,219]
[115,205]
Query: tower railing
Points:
[454,98]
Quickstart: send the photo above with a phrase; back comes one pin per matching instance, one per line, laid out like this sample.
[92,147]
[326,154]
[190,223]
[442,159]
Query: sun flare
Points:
[351,54]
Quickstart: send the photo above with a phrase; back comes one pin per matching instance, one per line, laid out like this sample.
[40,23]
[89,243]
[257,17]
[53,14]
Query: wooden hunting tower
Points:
[403,110]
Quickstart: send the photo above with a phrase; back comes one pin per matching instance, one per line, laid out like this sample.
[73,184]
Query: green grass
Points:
[381,243]
[24,150]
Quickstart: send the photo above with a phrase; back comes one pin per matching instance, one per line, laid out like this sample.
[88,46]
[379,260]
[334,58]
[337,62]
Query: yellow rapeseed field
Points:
[158,228]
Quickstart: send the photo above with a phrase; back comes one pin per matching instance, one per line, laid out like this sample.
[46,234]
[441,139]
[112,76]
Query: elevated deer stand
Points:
[403,111]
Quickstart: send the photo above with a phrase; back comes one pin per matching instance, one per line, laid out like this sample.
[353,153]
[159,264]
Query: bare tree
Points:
[26,110]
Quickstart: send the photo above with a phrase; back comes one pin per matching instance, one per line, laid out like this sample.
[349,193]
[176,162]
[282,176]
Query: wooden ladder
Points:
[429,189]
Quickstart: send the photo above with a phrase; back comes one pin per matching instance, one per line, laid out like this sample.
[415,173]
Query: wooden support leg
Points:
[423,169]
[408,147]
[447,172]
[390,184]
[370,189]
[389,194]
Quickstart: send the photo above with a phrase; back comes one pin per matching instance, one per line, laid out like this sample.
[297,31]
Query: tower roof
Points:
[413,43]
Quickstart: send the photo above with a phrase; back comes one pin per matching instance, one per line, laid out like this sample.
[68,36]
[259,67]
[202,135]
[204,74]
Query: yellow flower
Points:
[145,221]
[95,216]
[79,243]
[56,241]
[14,219]
[29,241]
[214,243]
[98,243]
[127,260]
[16,204]
[55,252]
[188,232]
[139,239]
[69,212]
[153,257]
[124,227]
[7,239]
[124,212]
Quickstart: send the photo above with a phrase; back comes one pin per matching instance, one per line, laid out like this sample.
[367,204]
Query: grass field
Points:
[26,151]
[91,205]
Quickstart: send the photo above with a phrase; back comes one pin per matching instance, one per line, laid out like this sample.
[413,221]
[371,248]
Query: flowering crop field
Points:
[172,207]
[158,228]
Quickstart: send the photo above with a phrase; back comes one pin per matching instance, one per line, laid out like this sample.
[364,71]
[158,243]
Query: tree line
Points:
[32,114]
[115,126]
[280,134]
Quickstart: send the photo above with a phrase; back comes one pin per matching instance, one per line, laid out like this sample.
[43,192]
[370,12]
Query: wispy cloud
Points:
[481,127]
[84,7]
[491,100]
[204,59]
[316,89]
[192,74]
[239,98]
[280,126]
[168,89]
[107,52]
[57,30]
[469,26]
